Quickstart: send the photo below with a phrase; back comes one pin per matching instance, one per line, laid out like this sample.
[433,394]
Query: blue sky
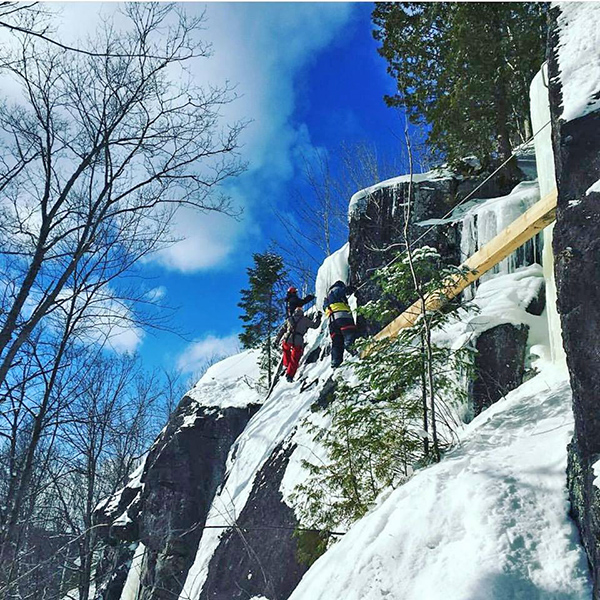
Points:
[327,88]
[309,77]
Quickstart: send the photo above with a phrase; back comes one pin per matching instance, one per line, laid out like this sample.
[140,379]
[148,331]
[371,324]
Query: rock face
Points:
[499,364]
[259,557]
[500,358]
[376,230]
[166,507]
[576,248]
[111,572]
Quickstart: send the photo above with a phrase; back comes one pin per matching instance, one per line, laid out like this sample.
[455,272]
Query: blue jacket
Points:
[336,308]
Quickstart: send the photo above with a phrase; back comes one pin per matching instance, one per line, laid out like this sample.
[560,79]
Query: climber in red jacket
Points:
[292,333]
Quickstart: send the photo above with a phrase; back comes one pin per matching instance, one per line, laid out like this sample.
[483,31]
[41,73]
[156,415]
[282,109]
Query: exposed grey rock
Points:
[259,557]
[538,302]
[107,513]
[111,572]
[500,358]
[527,163]
[326,395]
[576,248]
[183,470]
[499,364]
[380,224]
[313,356]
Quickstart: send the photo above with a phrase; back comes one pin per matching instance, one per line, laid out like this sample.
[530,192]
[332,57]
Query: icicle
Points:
[488,218]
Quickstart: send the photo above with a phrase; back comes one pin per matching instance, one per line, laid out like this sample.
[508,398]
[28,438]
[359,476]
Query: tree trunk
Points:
[424,399]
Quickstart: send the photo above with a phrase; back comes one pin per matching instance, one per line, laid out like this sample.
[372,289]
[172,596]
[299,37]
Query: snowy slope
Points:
[483,500]
[502,299]
[489,522]
[273,423]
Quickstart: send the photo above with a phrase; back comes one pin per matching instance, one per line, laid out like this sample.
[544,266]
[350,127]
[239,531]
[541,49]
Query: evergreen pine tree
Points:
[464,68]
[391,417]
[263,309]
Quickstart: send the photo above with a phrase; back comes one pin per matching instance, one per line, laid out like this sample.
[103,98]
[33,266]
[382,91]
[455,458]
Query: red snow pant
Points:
[291,357]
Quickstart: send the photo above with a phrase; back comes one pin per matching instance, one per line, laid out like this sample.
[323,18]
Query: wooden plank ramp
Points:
[521,230]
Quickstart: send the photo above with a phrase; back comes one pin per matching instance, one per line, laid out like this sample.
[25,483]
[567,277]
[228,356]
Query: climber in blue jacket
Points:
[341,323]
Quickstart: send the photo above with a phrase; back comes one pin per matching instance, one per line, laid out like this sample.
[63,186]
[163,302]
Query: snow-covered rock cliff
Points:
[574,81]
[238,542]
[163,508]
[211,513]
[491,518]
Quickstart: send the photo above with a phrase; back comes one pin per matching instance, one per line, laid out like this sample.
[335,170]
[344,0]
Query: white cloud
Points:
[123,338]
[196,356]
[156,294]
[206,241]
[261,48]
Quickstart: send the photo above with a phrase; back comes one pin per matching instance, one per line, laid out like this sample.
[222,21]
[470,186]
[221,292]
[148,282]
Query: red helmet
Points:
[292,290]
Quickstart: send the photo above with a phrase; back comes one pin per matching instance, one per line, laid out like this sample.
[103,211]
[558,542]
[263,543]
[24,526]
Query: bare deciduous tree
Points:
[97,157]
[106,431]
[316,223]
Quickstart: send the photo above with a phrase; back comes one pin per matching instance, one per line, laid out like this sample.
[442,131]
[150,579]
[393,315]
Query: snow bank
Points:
[306,450]
[578,57]
[334,268]
[504,298]
[230,382]
[490,521]
[358,202]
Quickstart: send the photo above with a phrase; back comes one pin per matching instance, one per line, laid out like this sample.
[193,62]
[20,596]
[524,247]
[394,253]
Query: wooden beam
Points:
[521,230]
